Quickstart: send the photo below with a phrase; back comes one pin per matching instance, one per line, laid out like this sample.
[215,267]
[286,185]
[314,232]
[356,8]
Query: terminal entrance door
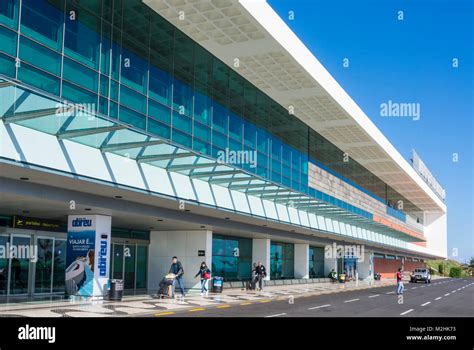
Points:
[15,264]
[129,263]
[22,276]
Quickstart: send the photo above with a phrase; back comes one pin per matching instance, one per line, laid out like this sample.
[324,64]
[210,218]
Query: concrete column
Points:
[187,246]
[329,264]
[301,260]
[261,252]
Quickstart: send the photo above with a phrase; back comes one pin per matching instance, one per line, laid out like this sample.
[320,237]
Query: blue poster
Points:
[80,263]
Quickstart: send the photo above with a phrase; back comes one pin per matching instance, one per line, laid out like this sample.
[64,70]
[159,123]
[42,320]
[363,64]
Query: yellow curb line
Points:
[197,309]
[223,306]
[247,303]
[264,301]
[165,313]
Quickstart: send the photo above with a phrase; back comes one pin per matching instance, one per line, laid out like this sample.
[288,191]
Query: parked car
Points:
[421,274]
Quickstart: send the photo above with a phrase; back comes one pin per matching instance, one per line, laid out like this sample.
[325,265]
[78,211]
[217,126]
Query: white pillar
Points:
[261,252]
[188,246]
[329,264]
[301,260]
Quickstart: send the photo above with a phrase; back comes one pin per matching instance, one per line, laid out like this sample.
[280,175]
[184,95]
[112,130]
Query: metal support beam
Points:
[157,157]
[129,145]
[231,180]
[89,131]
[214,173]
[191,166]
[22,116]
[243,187]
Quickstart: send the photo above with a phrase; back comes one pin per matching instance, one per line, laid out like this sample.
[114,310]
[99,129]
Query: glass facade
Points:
[127,62]
[316,262]
[231,257]
[282,260]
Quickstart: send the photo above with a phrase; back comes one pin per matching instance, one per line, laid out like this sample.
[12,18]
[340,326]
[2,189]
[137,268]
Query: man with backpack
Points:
[177,269]
[260,273]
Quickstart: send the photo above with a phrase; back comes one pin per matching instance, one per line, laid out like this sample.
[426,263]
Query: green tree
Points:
[441,269]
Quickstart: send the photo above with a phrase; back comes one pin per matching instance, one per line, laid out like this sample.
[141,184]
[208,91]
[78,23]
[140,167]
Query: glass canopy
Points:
[31,108]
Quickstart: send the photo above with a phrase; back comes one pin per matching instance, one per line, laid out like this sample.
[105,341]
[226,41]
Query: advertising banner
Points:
[88,255]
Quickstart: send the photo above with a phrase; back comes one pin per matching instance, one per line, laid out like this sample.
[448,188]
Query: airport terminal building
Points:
[203,129]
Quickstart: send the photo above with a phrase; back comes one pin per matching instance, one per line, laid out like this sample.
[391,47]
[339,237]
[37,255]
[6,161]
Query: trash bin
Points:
[217,284]
[116,290]
[342,278]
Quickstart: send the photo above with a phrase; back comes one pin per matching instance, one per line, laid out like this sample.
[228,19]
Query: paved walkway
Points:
[146,304]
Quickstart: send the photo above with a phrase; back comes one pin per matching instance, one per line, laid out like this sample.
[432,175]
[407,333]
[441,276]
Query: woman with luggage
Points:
[205,274]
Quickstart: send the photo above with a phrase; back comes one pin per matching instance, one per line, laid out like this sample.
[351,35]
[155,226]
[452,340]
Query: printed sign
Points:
[88,255]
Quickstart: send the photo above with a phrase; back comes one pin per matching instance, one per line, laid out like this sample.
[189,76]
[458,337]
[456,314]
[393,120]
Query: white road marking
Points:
[447,294]
[429,302]
[318,307]
[283,314]
[414,287]
[438,298]
[350,301]
[373,296]
[390,293]
[404,313]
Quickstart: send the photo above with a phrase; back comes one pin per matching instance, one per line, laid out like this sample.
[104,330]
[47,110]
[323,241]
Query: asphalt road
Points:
[442,298]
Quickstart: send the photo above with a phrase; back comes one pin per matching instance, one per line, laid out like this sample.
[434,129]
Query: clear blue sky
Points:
[406,61]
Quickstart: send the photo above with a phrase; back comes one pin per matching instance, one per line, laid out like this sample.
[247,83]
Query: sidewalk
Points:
[147,304]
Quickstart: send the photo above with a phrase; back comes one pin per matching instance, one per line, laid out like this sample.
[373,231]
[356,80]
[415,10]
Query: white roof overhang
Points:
[275,60]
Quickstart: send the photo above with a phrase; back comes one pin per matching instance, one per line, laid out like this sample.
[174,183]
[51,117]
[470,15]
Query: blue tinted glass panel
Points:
[41,80]
[104,85]
[103,106]
[159,111]
[80,75]
[159,129]
[132,99]
[201,131]
[40,56]
[182,138]
[182,97]
[82,41]
[134,71]
[182,122]
[201,147]
[114,90]
[219,118]
[76,94]
[7,66]
[42,22]
[202,108]
[250,133]
[132,118]
[8,41]
[235,145]
[9,13]
[219,140]
[160,86]
[235,126]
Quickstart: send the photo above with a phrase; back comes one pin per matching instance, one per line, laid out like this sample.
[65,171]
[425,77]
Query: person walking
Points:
[261,273]
[177,269]
[400,286]
[205,274]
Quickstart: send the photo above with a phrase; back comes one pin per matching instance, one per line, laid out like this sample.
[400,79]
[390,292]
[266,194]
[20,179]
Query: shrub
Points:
[441,269]
[455,272]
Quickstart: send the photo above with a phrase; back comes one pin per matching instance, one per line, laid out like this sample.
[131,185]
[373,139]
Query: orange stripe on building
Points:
[397,227]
